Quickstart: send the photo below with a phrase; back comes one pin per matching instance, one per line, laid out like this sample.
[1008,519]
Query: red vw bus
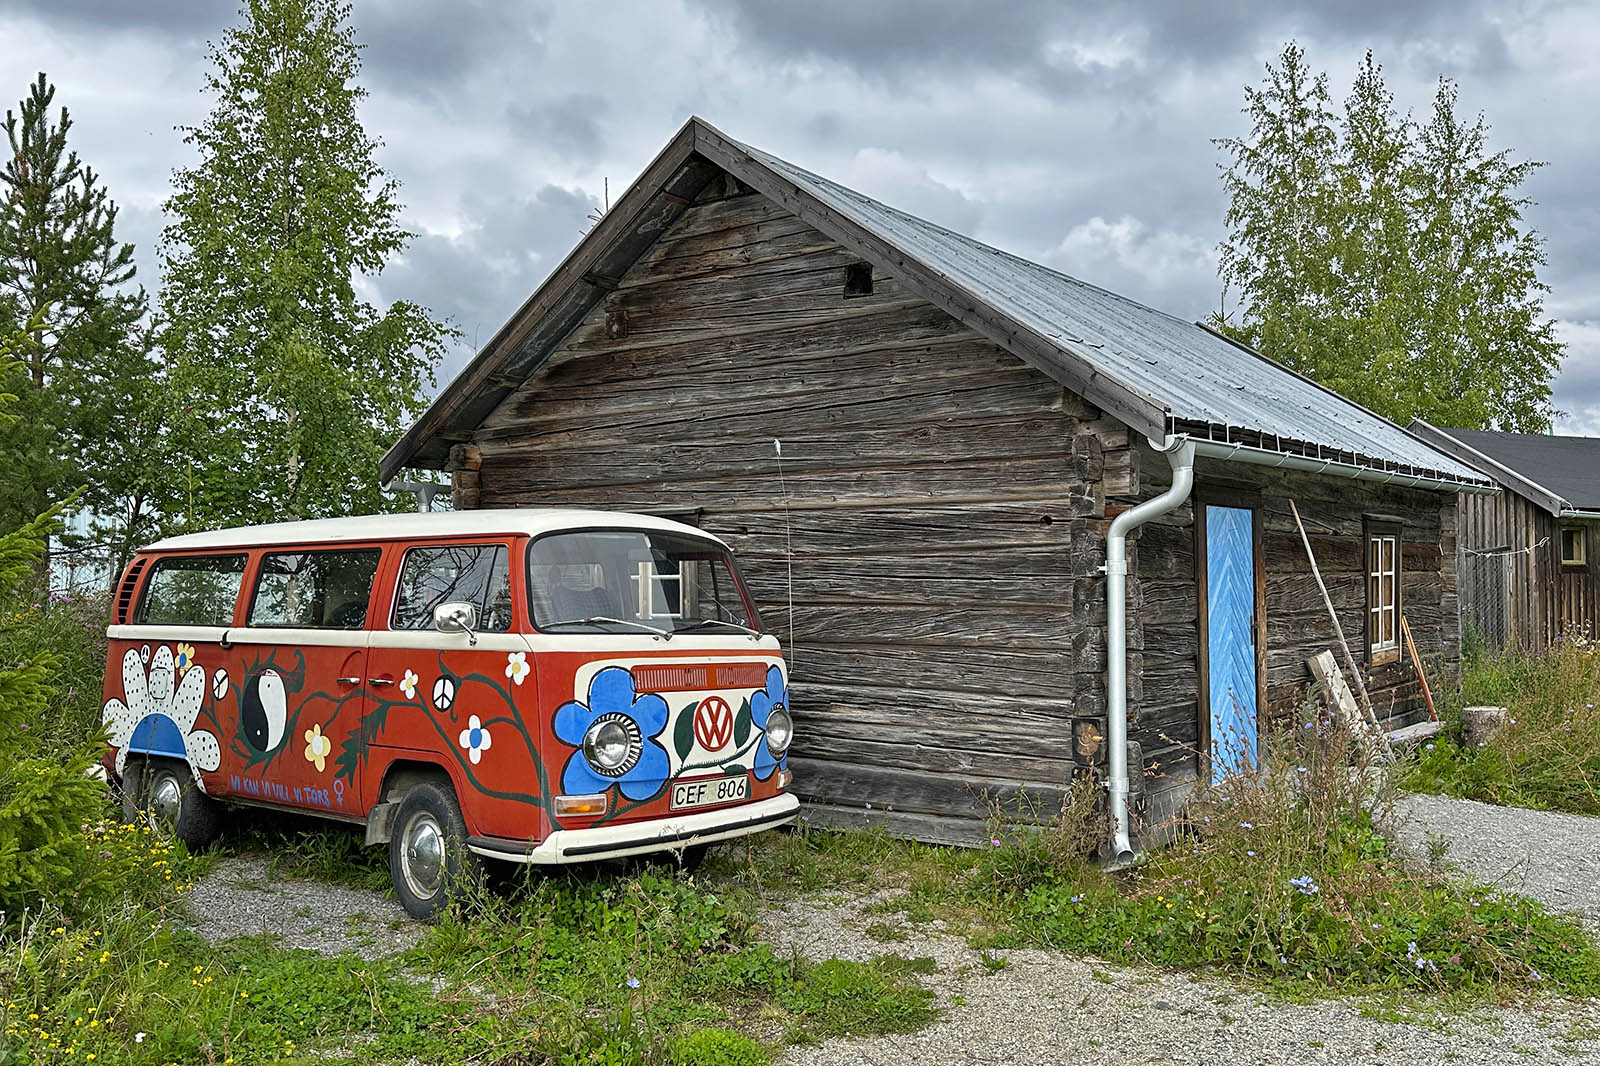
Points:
[535,686]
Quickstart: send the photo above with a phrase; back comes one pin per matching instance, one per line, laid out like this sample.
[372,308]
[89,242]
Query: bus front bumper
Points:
[641,838]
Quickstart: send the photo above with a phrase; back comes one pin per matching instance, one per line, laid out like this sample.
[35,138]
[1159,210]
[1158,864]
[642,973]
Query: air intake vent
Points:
[122,612]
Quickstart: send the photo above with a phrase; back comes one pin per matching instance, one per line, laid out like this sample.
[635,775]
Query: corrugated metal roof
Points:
[1200,376]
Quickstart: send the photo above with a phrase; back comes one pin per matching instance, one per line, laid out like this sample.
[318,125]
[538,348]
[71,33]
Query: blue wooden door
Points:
[1231,638]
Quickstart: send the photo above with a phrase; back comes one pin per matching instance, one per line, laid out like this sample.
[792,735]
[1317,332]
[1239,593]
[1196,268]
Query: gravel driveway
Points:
[1551,857]
[1046,1008]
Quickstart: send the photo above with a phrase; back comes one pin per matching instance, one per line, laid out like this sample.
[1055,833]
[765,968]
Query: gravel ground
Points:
[1552,857]
[1045,1007]
[242,898]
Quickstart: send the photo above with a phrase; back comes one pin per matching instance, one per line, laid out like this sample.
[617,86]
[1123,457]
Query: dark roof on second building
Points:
[1157,373]
[1565,467]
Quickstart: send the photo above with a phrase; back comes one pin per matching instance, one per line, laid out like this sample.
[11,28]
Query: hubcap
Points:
[166,800]
[422,860]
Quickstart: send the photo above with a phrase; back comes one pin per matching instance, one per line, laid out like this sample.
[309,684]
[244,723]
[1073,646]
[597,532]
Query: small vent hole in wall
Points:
[858,280]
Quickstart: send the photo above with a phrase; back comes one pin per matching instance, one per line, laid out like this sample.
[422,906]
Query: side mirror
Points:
[457,616]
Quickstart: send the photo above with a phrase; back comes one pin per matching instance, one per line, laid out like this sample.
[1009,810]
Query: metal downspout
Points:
[1180,456]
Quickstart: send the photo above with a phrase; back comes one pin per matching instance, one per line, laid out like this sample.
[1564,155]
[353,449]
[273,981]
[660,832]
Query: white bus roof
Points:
[490,521]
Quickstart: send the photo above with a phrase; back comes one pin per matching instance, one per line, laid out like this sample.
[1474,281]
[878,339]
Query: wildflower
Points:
[994,842]
[633,982]
[1247,825]
[138,1038]
[1251,854]
[1305,884]
[1077,898]
[1299,769]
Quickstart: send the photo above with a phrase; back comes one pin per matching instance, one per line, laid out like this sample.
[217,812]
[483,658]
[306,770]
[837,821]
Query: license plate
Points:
[707,791]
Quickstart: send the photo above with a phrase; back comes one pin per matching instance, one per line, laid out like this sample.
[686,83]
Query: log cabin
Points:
[1528,557]
[1013,527]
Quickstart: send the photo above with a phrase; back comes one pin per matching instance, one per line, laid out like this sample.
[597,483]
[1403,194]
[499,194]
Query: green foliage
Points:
[87,385]
[1385,258]
[289,385]
[718,1047]
[1548,754]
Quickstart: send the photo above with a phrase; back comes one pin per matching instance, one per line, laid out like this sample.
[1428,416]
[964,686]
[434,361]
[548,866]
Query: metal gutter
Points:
[1575,513]
[1245,453]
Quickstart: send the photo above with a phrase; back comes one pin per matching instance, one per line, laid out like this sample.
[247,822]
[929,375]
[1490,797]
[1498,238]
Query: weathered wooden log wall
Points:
[1163,627]
[1515,592]
[944,501]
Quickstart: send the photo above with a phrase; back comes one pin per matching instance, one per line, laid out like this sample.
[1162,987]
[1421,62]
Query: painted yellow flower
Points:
[318,747]
[185,658]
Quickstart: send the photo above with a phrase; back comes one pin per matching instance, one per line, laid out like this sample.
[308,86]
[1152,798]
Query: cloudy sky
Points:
[1078,135]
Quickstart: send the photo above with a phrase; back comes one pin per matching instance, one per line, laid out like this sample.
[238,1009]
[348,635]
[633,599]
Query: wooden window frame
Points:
[1374,533]
[1581,560]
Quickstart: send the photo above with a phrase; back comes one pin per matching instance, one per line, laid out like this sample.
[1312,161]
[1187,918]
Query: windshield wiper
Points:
[697,623]
[665,634]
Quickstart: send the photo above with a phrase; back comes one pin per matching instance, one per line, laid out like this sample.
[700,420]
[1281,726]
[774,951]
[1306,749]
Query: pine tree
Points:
[1387,261]
[85,381]
[289,384]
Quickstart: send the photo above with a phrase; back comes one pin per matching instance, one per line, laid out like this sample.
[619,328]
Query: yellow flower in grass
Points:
[185,658]
[318,747]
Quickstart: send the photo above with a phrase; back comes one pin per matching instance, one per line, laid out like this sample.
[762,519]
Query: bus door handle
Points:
[380,680]
[349,681]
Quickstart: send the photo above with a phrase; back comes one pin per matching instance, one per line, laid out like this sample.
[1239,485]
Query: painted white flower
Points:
[475,739]
[408,685]
[158,711]
[219,683]
[517,666]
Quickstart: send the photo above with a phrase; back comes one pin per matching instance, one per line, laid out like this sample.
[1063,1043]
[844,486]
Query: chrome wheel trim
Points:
[164,801]
[422,855]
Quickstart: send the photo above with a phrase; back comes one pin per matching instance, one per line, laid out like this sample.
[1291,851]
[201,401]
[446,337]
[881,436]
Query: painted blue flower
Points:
[776,694]
[612,692]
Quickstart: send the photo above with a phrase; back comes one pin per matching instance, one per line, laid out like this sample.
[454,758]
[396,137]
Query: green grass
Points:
[1548,755]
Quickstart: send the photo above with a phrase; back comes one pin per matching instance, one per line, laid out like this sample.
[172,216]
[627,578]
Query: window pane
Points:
[314,590]
[479,574]
[199,590]
[1388,626]
[657,579]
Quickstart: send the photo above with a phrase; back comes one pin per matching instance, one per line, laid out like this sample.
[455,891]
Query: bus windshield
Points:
[626,580]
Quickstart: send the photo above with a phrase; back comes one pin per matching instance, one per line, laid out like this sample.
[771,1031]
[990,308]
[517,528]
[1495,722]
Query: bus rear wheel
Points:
[429,860]
[165,794]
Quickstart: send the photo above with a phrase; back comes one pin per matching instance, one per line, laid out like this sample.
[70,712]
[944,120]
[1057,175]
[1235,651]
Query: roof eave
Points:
[1460,450]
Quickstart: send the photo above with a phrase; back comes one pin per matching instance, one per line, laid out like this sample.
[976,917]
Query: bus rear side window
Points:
[192,590]
[314,590]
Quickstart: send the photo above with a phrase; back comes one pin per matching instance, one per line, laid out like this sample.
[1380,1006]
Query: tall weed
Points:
[1548,754]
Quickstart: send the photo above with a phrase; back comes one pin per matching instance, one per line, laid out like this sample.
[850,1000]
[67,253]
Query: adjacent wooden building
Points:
[1529,557]
[958,428]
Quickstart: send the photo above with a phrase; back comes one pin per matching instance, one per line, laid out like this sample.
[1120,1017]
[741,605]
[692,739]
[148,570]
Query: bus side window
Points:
[479,574]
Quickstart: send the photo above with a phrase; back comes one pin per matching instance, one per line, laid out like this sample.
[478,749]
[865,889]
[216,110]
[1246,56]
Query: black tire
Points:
[429,861]
[163,793]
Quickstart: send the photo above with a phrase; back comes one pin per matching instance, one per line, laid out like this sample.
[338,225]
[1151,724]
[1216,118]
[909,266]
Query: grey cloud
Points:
[425,49]
[1065,48]
[165,17]
[569,124]
[477,278]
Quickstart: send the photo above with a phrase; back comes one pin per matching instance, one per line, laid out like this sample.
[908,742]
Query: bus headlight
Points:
[780,730]
[612,745]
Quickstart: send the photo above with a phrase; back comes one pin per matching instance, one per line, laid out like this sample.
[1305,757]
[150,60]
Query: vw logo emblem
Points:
[713,723]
